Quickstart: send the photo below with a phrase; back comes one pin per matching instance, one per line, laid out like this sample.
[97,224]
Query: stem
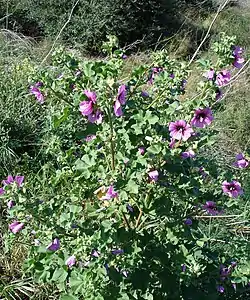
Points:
[214,217]
[139,218]
[126,220]
[112,146]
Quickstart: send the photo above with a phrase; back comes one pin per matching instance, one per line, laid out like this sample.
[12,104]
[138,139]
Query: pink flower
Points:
[90,137]
[232,189]
[141,150]
[180,130]
[238,62]
[172,143]
[37,93]
[223,78]
[153,175]
[54,245]
[16,226]
[91,96]
[110,194]
[237,50]
[219,95]
[210,74]
[122,91]
[10,204]
[118,109]
[86,108]
[241,162]
[154,72]
[18,180]
[202,117]
[188,154]
[71,261]
[95,117]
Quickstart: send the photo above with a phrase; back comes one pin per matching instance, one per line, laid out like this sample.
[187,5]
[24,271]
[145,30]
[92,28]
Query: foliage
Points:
[119,213]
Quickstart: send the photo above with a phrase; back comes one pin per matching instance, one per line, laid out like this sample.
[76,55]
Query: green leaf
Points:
[58,121]
[75,208]
[200,243]
[152,119]
[132,187]
[59,275]
[155,149]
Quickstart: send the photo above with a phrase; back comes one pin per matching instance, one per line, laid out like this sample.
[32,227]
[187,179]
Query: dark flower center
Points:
[232,188]
[180,128]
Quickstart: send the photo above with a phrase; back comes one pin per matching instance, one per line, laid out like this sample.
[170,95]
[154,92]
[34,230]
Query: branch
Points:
[221,7]
[60,32]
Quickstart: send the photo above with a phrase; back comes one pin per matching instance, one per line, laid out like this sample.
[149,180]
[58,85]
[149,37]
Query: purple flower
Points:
[95,253]
[38,84]
[237,50]
[172,76]
[220,289]
[54,245]
[16,226]
[118,108]
[10,204]
[9,180]
[234,286]
[210,74]
[130,208]
[203,173]
[95,117]
[153,175]
[110,194]
[210,207]
[124,56]
[223,78]
[188,222]
[1,191]
[241,162]
[90,137]
[224,272]
[219,94]
[183,267]
[188,154]
[90,95]
[180,130]
[71,261]
[117,251]
[202,118]
[183,84]
[122,91]
[232,189]
[141,150]
[86,108]
[18,180]
[144,94]
[172,143]
[238,62]
[154,72]
[37,93]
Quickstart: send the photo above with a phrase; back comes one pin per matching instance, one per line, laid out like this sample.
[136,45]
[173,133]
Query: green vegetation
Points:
[43,142]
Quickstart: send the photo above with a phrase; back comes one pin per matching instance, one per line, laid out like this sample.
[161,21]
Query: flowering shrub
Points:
[124,214]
